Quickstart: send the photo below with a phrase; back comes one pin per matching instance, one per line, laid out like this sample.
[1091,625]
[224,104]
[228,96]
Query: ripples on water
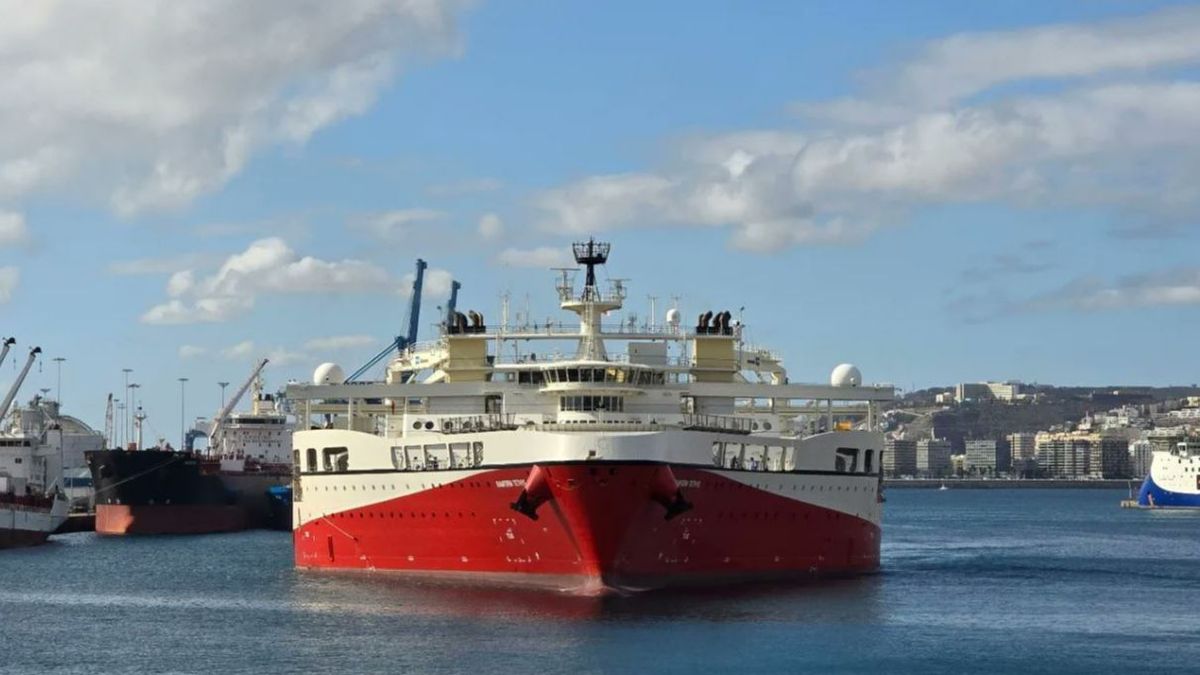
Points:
[973,581]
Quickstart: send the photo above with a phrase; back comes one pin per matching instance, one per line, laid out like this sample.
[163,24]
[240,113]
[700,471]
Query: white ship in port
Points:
[544,455]
[1174,478]
[32,502]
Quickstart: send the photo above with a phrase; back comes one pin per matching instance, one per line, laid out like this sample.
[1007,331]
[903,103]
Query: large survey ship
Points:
[686,458]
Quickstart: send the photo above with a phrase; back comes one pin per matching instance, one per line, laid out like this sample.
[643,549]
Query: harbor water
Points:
[973,581]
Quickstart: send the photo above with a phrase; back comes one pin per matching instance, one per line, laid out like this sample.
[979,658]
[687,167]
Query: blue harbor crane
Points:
[414,318]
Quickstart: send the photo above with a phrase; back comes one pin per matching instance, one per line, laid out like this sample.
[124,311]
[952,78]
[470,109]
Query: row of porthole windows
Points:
[361,515]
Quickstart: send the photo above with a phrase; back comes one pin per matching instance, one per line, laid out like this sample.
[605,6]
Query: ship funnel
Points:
[12,392]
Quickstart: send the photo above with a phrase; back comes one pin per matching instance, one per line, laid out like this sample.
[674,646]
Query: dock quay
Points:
[1006,484]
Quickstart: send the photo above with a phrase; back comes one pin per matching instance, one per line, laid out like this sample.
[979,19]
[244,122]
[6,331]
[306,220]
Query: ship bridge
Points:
[568,375]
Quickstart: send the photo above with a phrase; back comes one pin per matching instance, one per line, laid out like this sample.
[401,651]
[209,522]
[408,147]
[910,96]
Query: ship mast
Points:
[591,305]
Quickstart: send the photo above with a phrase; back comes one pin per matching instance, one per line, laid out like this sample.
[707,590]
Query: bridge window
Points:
[312,459]
[337,459]
[592,404]
[399,460]
[867,461]
[437,456]
[847,456]
[460,455]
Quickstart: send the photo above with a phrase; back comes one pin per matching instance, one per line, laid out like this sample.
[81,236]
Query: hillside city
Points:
[1023,431]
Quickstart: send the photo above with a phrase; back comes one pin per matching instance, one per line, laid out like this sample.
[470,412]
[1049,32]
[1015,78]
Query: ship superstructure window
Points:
[437,456]
[312,459]
[867,464]
[592,404]
[460,455]
[399,460]
[337,459]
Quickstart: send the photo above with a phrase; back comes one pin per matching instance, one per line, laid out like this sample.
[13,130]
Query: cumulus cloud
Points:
[399,224]
[490,226]
[12,229]
[241,350]
[950,69]
[340,342]
[436,284]
[1113,131]
[542,256]
[191,351]
[9,278]
[148,110]
[1174,287]
[267,266]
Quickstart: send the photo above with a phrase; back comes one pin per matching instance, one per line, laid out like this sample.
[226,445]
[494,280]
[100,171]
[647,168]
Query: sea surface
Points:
[979,581]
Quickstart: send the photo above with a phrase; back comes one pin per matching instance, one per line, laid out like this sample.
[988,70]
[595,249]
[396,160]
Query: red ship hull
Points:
[598,527]
[119,519]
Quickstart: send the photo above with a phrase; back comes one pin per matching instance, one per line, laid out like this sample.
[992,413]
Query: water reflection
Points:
[855,600]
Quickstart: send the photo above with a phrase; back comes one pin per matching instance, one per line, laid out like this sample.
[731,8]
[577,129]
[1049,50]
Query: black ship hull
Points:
[166,492]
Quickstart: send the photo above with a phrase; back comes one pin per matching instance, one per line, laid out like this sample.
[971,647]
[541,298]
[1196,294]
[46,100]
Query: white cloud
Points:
[281,356]
[9,278]
[267,266]
[241,350]
[398,224]
[12,229]
[435,286]
[1124,141]
[1175,287]
[340,342]
[191,351]
[490,226]
[148,110]
[542,256]
[951,69]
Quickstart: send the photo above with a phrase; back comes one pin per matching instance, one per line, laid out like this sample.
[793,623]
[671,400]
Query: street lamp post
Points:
[58,361]
[182,413]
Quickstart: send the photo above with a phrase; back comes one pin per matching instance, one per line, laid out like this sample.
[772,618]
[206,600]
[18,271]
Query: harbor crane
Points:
[12,392]
[8,343]
[414,321]
[218,427]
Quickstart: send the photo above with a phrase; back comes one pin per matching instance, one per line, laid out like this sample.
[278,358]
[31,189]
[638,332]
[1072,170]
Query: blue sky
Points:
[934,191]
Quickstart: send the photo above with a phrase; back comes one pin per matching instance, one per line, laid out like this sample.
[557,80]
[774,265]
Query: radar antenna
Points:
[590,253]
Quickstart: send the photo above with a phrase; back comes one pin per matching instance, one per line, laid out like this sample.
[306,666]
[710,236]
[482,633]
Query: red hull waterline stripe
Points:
[118,519]
[601,526]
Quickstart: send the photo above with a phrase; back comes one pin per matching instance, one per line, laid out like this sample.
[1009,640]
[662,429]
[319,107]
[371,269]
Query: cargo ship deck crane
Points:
[218,427]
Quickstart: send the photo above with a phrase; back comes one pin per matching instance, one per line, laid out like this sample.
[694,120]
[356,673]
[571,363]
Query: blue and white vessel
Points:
[1174,478]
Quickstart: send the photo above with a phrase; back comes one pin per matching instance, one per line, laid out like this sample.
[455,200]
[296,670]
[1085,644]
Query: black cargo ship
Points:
[170,492]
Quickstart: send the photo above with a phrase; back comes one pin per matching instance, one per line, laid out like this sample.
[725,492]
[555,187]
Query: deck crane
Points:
[452,303]
[8,343]
[12,392]
[108,422]
[414,321]
[218,426]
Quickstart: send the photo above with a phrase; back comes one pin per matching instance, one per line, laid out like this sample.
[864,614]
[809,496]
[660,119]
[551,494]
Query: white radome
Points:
[846,375]
[328,373]
[673,317]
